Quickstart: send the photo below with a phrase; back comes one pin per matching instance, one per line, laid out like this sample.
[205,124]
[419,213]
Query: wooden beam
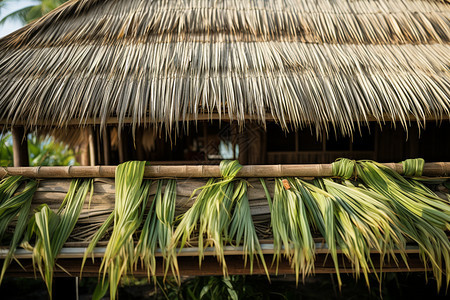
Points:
[189,266]
[205,171]
[228,251]
[20,147]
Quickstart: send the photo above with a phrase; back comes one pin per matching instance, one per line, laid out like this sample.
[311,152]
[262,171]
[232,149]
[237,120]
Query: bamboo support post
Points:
[106,146]
[122,146]
[205,171]
[84,149]
[92,146]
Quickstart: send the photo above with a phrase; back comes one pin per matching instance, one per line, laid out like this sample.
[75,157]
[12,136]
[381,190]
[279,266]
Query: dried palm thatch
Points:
[293,61]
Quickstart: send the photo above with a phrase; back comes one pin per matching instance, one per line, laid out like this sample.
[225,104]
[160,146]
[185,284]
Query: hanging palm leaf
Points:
[17,205]
[158,230]
[211,214]
[242,227]
[132,194]
[422,215]
[291,229]
[53,229]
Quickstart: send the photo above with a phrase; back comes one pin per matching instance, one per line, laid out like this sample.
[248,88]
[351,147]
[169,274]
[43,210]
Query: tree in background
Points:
[42,152]
[30,12]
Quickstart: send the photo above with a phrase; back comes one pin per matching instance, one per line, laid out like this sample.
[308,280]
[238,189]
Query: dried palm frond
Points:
[294,61]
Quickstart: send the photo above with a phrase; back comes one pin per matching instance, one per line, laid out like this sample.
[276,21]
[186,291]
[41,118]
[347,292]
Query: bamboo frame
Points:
[205,171]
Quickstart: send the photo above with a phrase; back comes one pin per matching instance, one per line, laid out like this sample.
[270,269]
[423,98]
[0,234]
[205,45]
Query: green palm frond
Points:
[12,206]
[158,230]
[53,229]
[210,214]
[291,229]
[132,194]
[365,208]
[422,216]
[242,227]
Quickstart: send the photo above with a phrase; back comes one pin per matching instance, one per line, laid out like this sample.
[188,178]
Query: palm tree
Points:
[30,12]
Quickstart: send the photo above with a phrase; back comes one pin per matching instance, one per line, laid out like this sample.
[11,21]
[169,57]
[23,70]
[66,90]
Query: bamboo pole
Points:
[106,146]
[84,149]
[205,171]
[92,146]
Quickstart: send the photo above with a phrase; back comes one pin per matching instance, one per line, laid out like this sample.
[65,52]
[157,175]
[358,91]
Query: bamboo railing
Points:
[441,169]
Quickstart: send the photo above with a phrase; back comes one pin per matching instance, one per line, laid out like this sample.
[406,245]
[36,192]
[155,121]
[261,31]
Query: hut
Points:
[285,87]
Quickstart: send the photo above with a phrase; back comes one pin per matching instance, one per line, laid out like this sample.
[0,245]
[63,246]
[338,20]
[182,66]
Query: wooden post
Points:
[243,147]
[122,145]
[138,144]
[84,149]
[20,147]
[92,151]
[255,144]
[98,146]
[234,137]
[106,146]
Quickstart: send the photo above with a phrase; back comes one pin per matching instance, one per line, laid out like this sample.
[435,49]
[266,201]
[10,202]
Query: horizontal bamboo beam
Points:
[204,171]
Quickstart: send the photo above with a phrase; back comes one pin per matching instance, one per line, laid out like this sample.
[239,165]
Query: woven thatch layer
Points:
[166,61]
[295,82]
[321,21]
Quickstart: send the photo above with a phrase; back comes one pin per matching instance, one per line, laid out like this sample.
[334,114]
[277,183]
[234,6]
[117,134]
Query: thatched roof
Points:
[297,62]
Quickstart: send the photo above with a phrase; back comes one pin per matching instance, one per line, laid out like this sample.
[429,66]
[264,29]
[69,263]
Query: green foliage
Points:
[51,230]
[47,152]
[132,194]
[6,152]
[212,214]
[14,204]
[242,227]
[42,152]
[291,230]
[31,12]
[421,215]
[158,230]
[368,209]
